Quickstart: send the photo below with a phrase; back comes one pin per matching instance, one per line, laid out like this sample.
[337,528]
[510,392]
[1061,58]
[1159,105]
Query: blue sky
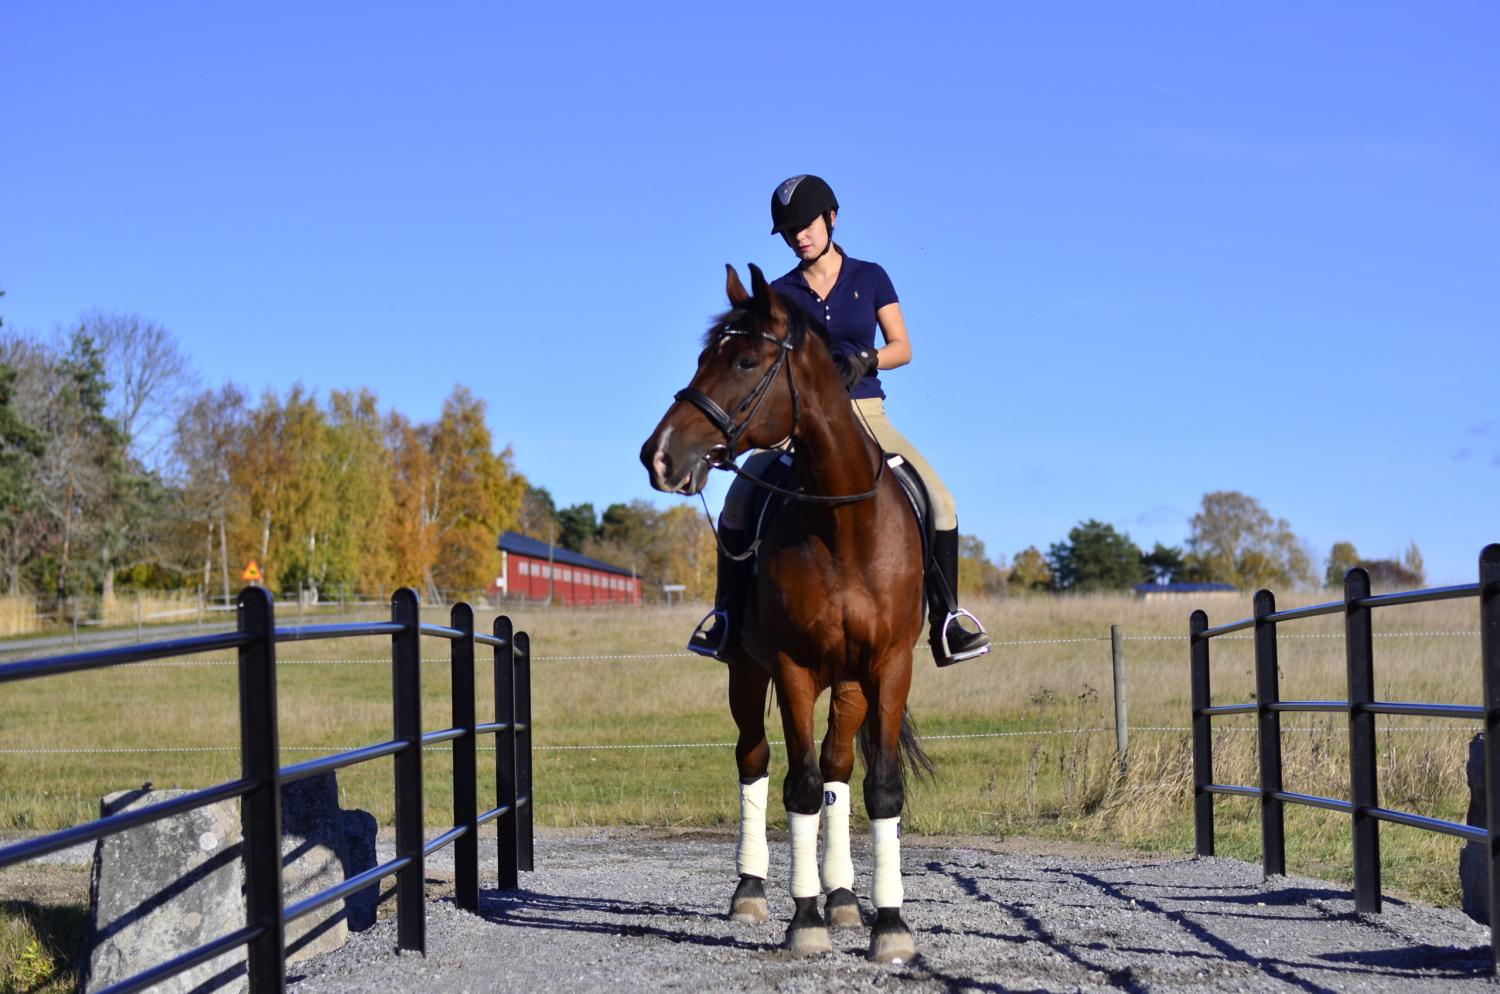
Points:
[1145,251]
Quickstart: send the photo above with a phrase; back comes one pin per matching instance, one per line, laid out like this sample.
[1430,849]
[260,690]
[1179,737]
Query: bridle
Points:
[731,429]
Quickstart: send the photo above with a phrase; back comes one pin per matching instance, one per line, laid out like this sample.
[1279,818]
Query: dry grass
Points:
[1050,781]
[17,615]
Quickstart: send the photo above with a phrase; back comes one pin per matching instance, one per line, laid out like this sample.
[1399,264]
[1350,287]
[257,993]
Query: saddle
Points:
[778,472]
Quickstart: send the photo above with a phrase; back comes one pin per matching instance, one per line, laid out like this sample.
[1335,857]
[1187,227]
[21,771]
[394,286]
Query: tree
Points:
[576,525]
[149,380]
[21,447]
[1164,564]
[1030,571]
[1341,559]
[1095,557]
[976,573]
[209,430]
[538,517]
[358,554]
[1412,560]
[1235,540]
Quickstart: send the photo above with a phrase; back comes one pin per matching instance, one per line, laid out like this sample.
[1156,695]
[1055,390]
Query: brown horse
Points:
[837,603]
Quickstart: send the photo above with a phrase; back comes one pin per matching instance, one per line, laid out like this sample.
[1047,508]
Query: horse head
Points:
[758,366]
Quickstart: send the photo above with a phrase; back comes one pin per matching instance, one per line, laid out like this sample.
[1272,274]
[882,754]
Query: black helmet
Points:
[798,200]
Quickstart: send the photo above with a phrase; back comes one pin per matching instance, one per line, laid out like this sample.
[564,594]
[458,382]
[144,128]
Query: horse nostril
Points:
[663,465]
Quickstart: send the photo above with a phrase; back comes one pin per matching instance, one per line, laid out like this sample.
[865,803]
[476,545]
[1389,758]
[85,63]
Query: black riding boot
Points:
[951,642]
[711,637]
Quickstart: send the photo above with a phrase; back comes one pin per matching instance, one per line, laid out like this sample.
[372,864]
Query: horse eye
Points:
[747,363]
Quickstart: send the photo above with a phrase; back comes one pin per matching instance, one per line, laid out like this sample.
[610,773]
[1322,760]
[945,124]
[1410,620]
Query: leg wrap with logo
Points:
[887,891]
[804,832]
[752,857]
[837,867]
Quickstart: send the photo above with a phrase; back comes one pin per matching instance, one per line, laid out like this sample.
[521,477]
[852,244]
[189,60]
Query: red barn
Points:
[529,569]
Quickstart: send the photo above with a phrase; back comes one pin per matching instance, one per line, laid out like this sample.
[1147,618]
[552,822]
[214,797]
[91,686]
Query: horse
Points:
[837,602]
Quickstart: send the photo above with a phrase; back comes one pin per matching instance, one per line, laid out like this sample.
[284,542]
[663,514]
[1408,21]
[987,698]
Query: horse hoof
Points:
[842,910]
[892,941]
[750,911]
[809,940]
[748,905]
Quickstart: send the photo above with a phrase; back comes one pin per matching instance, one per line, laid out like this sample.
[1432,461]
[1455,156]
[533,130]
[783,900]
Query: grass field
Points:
[643,739]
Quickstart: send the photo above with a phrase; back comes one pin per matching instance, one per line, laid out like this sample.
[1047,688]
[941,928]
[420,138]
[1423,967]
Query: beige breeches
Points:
[871,413]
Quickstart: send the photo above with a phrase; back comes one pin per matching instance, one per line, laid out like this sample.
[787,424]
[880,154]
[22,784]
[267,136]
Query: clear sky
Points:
[1145,250]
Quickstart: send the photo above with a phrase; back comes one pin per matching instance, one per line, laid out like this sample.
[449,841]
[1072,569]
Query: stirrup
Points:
[948,656]
[700,642]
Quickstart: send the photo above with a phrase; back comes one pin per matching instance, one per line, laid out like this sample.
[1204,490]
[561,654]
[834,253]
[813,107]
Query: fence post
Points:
[406,694]
[1267,693]
[260,810]
[1489,649]
[508,822]
[526,799]
[1359,645]
[1122,725]
[465,768]
[1203,743]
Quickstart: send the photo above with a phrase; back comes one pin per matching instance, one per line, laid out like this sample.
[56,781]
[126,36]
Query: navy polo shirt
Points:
[849,310]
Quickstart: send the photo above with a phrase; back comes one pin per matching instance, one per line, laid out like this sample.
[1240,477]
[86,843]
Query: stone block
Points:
[163,888]
[1473,876]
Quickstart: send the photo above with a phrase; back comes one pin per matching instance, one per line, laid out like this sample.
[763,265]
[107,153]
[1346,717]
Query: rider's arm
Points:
[897,348]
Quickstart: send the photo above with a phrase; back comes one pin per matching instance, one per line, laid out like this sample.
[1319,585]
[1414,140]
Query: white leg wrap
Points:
[804,831]
[752,858]
[838,868]
[887,891]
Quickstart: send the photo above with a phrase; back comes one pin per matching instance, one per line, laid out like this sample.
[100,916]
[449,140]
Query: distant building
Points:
[1150,591]
[529,568]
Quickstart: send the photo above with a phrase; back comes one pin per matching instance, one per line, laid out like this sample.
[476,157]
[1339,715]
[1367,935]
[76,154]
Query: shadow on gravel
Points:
[1400,962]
[531,909]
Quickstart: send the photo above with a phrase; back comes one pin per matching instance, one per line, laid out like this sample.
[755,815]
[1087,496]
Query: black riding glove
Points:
[855,366]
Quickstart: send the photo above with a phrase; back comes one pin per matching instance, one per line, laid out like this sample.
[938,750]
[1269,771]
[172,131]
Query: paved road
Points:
[623,910]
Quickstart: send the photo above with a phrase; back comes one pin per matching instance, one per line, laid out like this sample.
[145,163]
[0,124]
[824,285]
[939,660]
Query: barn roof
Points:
[525,545]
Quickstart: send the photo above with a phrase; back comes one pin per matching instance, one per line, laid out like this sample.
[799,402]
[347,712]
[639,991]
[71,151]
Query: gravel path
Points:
[624,910]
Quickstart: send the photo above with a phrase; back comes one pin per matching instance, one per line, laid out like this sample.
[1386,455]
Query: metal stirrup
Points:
[953,616]
[703,628]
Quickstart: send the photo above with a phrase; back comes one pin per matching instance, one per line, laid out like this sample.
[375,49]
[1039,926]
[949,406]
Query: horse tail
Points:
[914,759]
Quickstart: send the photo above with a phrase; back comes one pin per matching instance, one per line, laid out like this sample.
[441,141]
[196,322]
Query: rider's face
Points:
[810,242]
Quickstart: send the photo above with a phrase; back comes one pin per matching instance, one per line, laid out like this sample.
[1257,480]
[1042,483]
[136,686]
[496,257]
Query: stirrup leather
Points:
[699,641]
[953,616]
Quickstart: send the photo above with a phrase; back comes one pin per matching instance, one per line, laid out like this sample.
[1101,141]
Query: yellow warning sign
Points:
[252,573]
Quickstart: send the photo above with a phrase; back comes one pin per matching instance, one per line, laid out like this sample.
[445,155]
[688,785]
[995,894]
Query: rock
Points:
[359,856]
[161,889]
[1473,873]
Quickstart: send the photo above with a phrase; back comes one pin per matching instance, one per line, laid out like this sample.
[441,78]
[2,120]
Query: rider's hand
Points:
[855,366]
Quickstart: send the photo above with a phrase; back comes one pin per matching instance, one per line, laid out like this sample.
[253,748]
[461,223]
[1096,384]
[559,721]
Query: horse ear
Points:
[734,287]
[768,299]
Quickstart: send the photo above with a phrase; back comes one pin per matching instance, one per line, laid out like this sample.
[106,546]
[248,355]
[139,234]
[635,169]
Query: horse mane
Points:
[747,317]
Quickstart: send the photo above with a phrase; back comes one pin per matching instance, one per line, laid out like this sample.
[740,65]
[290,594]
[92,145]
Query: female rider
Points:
[851,298]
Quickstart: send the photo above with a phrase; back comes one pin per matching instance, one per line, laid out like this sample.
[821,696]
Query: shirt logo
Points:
[856,294]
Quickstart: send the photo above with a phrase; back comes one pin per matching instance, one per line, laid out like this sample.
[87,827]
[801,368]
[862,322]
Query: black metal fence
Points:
[1361,708]
[261,775]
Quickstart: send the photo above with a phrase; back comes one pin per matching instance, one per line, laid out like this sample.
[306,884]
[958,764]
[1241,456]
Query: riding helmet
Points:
[798,200]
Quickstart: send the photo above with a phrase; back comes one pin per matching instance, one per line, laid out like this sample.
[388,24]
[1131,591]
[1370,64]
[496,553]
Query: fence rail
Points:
[1361,707]
[261,776]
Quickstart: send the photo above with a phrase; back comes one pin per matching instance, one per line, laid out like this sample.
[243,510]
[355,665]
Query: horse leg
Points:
[890,940]
[802,793]
[846,713]
[752,754]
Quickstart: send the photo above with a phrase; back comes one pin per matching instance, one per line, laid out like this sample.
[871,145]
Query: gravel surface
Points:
[645,910]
